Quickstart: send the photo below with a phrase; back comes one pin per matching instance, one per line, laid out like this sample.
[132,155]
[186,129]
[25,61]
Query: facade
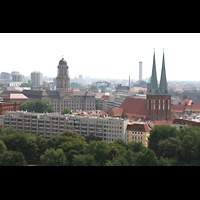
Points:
[50,124]
[36,78]
[138,132]
[17,78]
[8,106]
[63,97]
[140,71]
[5,75]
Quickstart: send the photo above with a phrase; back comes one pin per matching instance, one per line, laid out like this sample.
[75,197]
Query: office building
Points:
[36,78]
[17,78]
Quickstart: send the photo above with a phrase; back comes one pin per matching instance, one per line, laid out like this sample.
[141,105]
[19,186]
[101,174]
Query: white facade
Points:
[50,124]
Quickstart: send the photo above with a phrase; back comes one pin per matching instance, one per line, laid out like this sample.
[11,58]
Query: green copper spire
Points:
[163,80]
[153,90]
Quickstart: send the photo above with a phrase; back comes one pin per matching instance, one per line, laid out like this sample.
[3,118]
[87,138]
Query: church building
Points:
[157,105]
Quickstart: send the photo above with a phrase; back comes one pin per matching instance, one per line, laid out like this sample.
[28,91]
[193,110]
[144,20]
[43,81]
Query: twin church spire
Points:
[162,90]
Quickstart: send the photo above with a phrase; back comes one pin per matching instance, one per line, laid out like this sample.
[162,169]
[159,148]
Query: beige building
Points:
[138,132]
[50,124]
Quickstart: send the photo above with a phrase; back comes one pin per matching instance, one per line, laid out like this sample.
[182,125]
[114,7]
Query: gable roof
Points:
[138,127]
[115,112]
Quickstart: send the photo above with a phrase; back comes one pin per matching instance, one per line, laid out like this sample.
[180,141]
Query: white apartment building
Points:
[50,124]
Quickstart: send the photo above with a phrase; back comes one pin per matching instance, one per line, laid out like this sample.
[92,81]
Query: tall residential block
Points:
[36,78]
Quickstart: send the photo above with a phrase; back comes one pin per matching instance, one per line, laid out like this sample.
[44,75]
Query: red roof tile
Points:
[115,112]
[187,100]
[138,127]
[134,107]
[162,122]
[185,122]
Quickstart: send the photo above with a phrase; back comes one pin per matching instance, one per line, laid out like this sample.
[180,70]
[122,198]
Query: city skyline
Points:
[102,55]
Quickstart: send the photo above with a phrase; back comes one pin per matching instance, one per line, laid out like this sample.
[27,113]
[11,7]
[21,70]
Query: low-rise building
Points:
[138,132]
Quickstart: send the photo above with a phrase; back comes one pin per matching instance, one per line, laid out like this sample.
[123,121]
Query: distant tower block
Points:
[140,71]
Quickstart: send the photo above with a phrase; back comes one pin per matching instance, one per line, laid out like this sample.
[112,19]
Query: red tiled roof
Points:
[187,100]
[177,108]
[105,97]
[135,107]
[115,112]
[138,127]
[161,122]
[185,122]
[196,107]
[15,96]
[182,108]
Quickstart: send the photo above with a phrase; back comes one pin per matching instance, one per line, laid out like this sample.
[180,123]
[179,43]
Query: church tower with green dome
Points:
[158,98]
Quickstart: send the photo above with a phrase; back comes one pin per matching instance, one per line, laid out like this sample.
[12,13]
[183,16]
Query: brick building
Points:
[8,106]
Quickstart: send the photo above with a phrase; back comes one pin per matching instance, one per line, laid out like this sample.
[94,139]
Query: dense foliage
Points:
[167,147]
[173,147]
[38,106]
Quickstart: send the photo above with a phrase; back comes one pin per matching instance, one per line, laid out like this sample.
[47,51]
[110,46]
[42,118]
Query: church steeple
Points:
[163,80]
[153,90]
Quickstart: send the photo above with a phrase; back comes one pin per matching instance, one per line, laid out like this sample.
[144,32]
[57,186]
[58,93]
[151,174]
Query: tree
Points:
[30,150]
[93,88]
[187,149]
[12,158]
[118,161]
[90,138]
[3,147]
[53,157]
[114,152]
[169,148]
[69,133]
[39,106]
[135,146]
[160,132]
[84,160]
[25,85]
[130,157]
[66,111]
[146,157]
[185,96]
[73,146]
[55,141]
[99,149]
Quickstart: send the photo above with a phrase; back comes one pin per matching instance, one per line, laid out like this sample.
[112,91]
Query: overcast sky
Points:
[102,55]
